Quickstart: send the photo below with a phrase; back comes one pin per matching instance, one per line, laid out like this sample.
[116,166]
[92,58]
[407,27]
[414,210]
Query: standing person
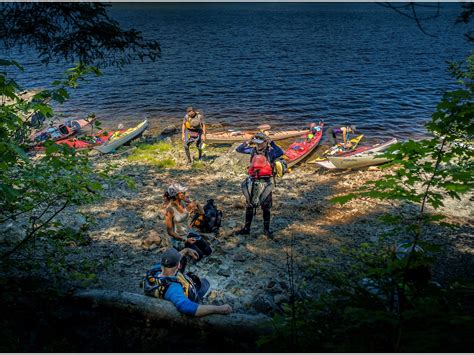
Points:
[193,130]
[168,281]
[258,186]
[177,219]
[344,131]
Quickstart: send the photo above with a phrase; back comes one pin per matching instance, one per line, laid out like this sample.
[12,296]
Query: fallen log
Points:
[150,308]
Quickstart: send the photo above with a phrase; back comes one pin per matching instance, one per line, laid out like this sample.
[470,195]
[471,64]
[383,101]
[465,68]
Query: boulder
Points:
[11,233]
[171,129]
[231,159]
[264,304]
[239,257]
[280,298]
[77,222]
[151,241]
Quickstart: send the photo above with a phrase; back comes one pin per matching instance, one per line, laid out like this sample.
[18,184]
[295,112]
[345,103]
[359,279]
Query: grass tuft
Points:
[150,154]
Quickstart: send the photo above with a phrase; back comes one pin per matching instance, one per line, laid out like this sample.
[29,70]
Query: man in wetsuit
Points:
[193,130]
[258,186]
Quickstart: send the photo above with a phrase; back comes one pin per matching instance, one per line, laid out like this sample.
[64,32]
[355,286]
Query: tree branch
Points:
[32,233]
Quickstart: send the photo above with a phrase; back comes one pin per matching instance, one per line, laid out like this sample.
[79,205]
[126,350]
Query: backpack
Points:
[210,221]
[155,286]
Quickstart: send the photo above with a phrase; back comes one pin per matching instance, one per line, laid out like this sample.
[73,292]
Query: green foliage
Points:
[76,32]
[385,300]
[364,310]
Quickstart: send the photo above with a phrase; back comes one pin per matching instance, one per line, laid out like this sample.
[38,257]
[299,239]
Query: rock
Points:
[212,296]
[105,186]
[171,129]
[280,298]
[264,304]
[11,233]
[152,241]
[238,204]
[224,272]
[231,158]
[152,213]
[231,223]
[274,287]
[239,257]
[78,221]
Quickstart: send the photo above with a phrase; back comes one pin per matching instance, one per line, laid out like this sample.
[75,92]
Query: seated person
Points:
[168,281]
[178,218]
[344,131]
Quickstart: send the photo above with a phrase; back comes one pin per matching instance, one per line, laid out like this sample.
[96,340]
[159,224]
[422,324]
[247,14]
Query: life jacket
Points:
[156,286]
[193,123]
[260,166]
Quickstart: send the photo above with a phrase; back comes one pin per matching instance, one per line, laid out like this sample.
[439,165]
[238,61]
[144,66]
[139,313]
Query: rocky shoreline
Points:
[248,272]
[127,231]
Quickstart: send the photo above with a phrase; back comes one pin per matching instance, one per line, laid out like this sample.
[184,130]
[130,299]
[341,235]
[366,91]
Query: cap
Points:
[175,189]
[171,257]
[259,138]
[189,109]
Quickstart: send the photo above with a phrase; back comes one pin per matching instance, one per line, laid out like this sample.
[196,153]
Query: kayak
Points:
[242,136]
[121,137]
[355,162]
[338,150]
[359,158]
[88,141]
[61,131]
[303,146]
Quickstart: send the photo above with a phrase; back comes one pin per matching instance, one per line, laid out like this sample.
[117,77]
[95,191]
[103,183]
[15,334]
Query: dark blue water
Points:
[287,64]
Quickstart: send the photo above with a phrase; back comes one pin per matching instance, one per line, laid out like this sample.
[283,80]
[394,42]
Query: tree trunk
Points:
[233,325]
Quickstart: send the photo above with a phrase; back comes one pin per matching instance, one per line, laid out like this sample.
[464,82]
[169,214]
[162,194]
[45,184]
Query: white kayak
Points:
[121,137]
[361,159]
[356,162]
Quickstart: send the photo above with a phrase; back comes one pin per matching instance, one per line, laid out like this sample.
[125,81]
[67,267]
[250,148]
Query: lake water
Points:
[284,64]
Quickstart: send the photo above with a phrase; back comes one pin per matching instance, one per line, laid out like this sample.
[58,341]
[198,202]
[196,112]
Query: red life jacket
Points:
[260,166]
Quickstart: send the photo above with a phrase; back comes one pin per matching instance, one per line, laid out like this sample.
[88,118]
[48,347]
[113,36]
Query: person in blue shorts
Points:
[168,281]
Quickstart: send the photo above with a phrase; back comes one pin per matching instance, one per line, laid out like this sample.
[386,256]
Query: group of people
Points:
[168,279]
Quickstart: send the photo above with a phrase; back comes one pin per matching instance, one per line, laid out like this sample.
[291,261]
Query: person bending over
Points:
[344,131]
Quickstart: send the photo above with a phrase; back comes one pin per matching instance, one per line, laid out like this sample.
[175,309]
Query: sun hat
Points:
[175,188]
[259,138]
[170,258]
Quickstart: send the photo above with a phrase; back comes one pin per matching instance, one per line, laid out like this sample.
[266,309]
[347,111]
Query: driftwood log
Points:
[150,308]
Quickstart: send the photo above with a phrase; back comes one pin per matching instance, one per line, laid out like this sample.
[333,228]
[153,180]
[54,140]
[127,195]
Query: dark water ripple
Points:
[287,64]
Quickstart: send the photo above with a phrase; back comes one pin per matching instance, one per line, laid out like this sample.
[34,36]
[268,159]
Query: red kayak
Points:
[304,145]
[84,142]
[61,131]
